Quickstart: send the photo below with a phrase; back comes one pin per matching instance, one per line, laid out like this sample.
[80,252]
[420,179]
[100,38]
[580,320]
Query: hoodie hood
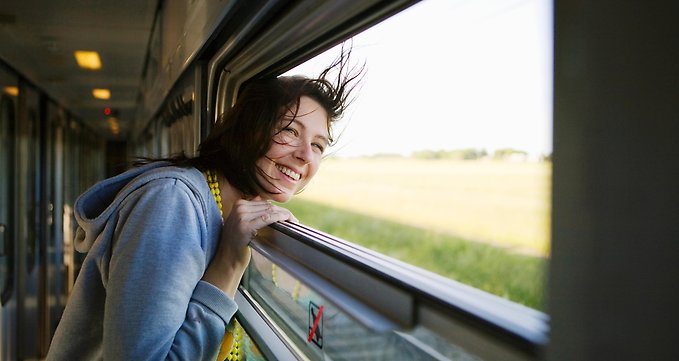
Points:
[95,206]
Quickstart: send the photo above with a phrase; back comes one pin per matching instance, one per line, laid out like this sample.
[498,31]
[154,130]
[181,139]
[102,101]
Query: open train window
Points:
[450,135]
[444,161]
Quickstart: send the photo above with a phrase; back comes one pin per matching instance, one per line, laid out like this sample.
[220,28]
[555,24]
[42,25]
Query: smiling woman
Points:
[267,147]
[296,150]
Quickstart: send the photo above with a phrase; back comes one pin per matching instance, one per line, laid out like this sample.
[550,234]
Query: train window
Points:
[444,160]
[320,330]
[28,166]
[7,121]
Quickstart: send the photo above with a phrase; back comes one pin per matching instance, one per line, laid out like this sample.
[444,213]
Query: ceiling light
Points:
[88,59]
[11,90]
[101,93]
[113,124]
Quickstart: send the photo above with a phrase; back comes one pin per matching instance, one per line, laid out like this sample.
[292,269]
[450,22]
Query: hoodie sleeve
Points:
[157,307]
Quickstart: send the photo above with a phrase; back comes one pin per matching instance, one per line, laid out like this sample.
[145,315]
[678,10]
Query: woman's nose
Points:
[304,152]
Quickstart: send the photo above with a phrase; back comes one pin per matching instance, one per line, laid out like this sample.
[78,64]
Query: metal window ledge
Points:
[387,295]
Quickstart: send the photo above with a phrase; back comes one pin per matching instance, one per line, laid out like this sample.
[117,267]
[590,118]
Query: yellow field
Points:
[503,203]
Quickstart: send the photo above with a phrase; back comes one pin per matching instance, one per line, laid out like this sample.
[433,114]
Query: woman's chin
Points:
[282,197]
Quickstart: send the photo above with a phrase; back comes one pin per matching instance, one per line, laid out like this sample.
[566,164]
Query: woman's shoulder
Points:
[189,177]
[166,170]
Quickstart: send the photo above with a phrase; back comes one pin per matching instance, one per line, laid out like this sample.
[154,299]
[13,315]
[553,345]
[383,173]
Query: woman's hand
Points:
[247,217]
[240,227]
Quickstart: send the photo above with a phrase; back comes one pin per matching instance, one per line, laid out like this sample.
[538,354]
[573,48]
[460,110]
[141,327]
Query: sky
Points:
[451,74]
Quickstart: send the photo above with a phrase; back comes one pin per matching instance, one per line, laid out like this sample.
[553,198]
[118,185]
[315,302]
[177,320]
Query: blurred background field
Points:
[499,202]
[482,222]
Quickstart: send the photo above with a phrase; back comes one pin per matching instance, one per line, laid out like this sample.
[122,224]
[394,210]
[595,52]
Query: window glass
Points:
[8,93]
[322,331]
[444,158]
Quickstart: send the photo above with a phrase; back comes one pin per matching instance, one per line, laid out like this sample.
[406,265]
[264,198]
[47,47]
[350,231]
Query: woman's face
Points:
[295,152]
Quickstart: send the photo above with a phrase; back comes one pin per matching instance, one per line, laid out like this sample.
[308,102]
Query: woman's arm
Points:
[157,307]
[233,254]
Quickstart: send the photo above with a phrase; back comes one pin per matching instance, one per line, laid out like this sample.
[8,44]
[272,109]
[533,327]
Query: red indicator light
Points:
[107,111]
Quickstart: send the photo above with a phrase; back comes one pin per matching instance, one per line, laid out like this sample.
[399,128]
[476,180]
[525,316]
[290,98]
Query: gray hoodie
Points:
[149,234]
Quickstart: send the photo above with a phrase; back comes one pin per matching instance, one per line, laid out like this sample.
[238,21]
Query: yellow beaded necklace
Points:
[214,188]
[233,335]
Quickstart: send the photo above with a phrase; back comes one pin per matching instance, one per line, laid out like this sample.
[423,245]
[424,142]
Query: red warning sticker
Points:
[315,324]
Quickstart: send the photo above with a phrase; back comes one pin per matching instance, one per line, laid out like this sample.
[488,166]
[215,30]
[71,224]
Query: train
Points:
[174,66]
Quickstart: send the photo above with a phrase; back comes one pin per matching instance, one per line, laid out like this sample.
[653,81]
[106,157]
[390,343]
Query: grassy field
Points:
[502,203]
[482,223]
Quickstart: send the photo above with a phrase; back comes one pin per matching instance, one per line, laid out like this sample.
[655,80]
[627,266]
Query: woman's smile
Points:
[295,176]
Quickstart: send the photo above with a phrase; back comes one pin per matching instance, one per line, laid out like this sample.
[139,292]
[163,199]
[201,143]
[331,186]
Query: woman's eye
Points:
[292,131]
[319,147]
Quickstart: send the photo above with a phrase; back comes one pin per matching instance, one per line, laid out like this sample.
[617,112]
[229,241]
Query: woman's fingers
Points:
[249,211]
[266,217]
[248,216]
[242,206]
[292,218]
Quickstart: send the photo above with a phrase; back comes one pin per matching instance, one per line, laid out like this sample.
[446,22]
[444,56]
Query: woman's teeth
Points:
[289,172]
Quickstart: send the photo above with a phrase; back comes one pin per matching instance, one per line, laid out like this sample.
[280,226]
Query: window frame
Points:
[484,324]
[397,296]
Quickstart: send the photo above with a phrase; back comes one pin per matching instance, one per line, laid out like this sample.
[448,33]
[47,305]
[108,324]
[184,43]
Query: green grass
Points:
[493,269]
[499,203]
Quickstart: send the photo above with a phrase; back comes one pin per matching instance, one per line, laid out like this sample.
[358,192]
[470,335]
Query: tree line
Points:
[475,154]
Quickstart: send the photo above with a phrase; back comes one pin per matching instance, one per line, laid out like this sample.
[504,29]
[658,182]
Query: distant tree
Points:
[457,154]
[509,153]
[473,154]
[385,155]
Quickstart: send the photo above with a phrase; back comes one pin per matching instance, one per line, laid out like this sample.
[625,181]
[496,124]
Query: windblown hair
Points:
[243,134]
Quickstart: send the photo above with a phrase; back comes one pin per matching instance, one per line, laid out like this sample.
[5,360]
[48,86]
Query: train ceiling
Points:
[39,38]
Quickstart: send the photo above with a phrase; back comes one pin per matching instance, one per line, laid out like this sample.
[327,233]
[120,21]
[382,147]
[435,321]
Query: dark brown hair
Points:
[243,134]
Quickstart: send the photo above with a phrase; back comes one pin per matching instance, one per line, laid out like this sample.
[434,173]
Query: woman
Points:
[167,242]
